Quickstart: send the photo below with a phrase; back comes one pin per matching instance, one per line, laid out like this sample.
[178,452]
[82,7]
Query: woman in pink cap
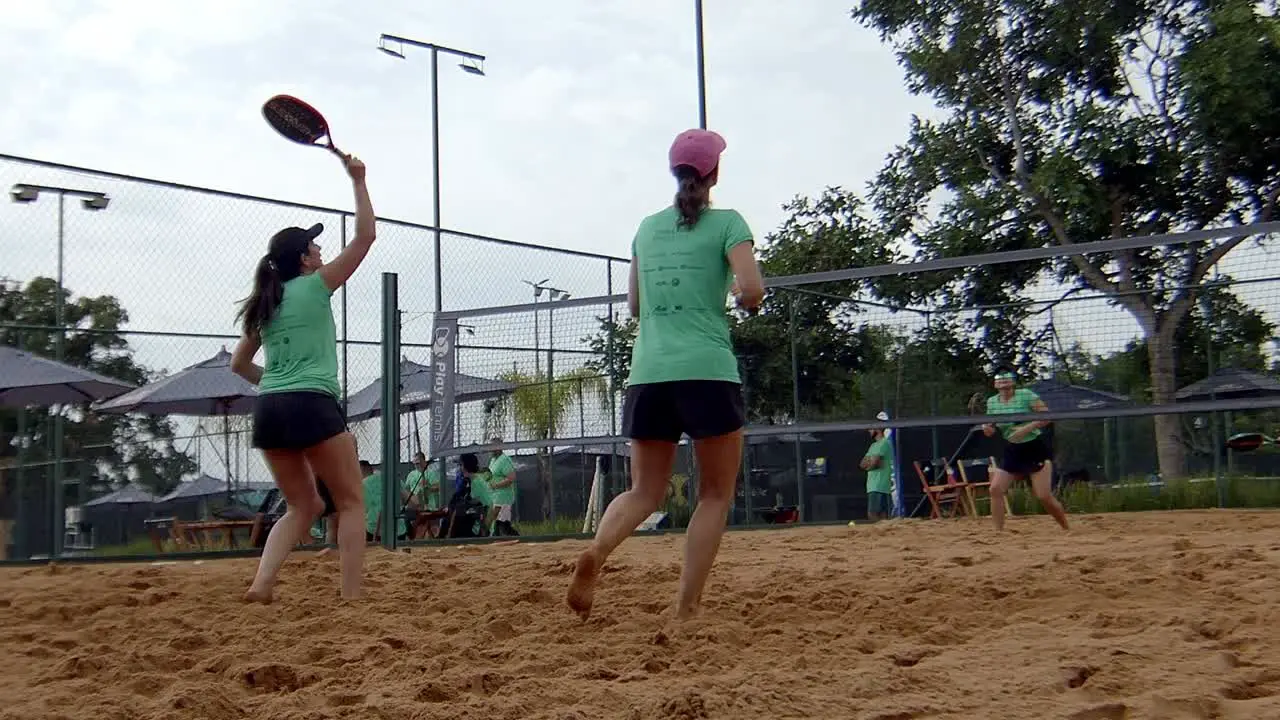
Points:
[685,259]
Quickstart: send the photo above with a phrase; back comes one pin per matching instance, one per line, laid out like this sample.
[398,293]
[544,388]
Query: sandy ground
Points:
[1130,616]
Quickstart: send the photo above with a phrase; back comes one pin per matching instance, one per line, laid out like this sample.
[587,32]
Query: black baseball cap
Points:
[293,240]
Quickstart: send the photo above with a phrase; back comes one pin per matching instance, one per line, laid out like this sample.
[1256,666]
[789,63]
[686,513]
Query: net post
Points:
[795,406]
[390,406]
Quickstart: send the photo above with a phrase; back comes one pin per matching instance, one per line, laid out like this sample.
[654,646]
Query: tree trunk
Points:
[544,479]
[1164,383]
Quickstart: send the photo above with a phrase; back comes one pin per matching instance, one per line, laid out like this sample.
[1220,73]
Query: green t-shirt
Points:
[1020,403]
[480,491]
[301,341]
[418,482]
[433,487]
[684,280]
[373,505]
[880,478]
[501,468]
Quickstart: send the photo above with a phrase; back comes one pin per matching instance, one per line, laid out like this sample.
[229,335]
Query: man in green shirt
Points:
[502,486]
[373,508]
[878,462]
[423,482]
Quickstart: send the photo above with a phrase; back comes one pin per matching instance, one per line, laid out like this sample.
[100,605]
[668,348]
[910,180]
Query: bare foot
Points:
[582,586]
[325,552]
[258,596]
[685,614]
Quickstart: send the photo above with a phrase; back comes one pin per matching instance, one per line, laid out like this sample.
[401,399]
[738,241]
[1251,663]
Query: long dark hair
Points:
[693,195]
[282,263]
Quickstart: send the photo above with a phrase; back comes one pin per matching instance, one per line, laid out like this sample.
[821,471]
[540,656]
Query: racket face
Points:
[1246,441]
[295,119]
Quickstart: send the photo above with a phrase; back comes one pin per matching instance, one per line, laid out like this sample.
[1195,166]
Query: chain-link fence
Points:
[146,276]
[1144,377]
[1167,349]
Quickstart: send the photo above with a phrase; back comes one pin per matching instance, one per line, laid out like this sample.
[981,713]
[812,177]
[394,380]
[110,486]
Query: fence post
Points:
[795,408]
[932,384]
[551,411]
[346,375]
[390,407]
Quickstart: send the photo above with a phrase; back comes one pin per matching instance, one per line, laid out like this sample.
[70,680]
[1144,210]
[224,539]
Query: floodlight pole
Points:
[93,201]
[702,70]
[435,51]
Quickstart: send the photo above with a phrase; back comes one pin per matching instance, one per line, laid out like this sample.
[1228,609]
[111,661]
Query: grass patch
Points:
[1139,496]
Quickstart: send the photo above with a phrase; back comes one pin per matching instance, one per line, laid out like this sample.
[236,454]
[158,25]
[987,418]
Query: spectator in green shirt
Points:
[878,462]
[502,484]
[373,507]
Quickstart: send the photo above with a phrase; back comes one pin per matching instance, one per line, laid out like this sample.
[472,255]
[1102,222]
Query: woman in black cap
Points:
[298,422]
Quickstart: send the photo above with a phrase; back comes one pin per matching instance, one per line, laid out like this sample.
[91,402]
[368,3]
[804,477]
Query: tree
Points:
[612,346]
[1071,122]
[103,450]
[538,405]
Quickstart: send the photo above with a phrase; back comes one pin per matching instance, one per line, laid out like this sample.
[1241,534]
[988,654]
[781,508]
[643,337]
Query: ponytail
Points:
[693,195]
[268,292]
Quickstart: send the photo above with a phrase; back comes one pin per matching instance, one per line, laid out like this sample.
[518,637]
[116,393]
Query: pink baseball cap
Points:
[699,149]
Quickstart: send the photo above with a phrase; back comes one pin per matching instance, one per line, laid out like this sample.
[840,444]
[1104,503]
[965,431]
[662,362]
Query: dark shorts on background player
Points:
[329,507]
[697,408]
[1025,458]
[296,420]
[878,503]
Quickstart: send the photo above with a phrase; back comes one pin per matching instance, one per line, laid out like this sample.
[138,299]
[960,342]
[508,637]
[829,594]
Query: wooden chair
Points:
[973,489]
[950,494]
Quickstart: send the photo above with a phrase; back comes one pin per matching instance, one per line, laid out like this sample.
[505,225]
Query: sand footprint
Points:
[1108,711]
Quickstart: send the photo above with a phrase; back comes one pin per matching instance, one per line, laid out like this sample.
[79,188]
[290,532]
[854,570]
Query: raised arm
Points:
[339,270]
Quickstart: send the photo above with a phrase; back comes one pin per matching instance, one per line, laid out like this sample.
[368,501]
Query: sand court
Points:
[1153,615]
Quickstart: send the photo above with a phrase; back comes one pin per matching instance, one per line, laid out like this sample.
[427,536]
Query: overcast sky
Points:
[562,143]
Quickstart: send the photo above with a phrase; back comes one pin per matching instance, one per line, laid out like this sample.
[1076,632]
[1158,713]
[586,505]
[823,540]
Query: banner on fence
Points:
[443,363]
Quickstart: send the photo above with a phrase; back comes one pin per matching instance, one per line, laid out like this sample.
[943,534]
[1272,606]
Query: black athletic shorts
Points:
[1025,458]
[697,408]
[296,420]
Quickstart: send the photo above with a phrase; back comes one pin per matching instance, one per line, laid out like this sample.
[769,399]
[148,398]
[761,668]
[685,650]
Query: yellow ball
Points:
[852,523]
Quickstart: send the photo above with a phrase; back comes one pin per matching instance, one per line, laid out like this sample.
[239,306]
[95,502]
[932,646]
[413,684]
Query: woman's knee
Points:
[312,508]
[653,493]
[716,492]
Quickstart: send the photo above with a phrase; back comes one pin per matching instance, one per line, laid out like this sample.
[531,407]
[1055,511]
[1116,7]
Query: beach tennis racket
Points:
[299,122]
[976,406]
[1246,442]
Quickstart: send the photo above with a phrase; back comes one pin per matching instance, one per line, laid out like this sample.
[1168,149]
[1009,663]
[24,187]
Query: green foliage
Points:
[1065,123]
[612,347]
[108,450]
[1136,496]
[538,406]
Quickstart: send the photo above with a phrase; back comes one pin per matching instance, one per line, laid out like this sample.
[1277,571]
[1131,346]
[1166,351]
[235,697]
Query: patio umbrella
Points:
[131,494]
[415,391]
[1230,383]
[206,389]
[27,379]
[1064,396]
